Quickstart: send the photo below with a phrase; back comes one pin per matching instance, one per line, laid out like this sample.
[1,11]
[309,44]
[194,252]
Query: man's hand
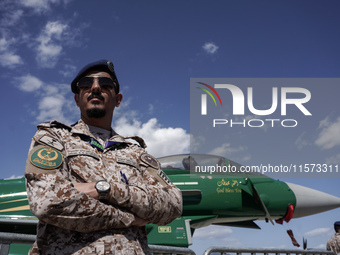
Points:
[87,188]
[139,222]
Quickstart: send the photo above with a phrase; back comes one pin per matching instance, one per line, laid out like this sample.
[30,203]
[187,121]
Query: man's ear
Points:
[119,99]
[76,97]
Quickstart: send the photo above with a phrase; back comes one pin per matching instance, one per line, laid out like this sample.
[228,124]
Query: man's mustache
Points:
[97,95]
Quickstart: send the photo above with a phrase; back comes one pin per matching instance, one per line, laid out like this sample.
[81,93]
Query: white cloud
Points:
[7,56]
[151,109]
[333,160]
[245,158]
[10,59]
[319,232]
[68,70]
[300,142]
[49,48]
[324,123]
[196,143]
[216,234]
[161,141]
[226,150]
[3,44]
[11,17]
[56,104]
[51,90]
[41,6]
[210,47]
[213,232]
[321,246]
[29,83]
[48,44]
[55,29]
[51,109]
[14,177]
[329,136]
[53,103]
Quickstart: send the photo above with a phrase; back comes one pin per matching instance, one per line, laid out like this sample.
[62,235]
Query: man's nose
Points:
[95,85]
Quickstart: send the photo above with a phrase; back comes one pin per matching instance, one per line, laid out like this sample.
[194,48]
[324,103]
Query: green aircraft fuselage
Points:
[231,199]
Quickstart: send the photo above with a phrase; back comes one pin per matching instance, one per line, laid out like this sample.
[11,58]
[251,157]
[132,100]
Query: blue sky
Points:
[157,46]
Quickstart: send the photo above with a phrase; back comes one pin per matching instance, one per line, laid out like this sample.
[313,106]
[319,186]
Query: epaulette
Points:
[137,139]
[53,124]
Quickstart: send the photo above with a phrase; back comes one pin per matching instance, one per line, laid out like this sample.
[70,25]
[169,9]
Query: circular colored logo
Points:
[46,158]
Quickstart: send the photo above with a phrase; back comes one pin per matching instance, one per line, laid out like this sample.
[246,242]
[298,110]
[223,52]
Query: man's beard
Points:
[95,113]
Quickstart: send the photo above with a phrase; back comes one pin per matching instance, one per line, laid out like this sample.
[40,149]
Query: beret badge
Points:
[110,66]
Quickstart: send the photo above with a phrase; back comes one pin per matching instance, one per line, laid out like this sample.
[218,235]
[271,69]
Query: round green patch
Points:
[46,158]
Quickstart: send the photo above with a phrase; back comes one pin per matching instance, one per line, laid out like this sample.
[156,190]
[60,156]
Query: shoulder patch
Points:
[150,160]
[52,142]
[46,158]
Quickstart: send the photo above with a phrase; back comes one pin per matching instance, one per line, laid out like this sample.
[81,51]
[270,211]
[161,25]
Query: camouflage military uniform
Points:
[333,244]
[72,222]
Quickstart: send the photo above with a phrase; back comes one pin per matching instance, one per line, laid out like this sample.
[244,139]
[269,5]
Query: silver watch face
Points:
[103,186]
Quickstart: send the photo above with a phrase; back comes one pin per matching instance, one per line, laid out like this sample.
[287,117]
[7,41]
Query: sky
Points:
[157,47]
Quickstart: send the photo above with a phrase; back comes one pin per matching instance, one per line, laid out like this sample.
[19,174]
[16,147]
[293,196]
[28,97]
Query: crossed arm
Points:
[56,200]
[89,189]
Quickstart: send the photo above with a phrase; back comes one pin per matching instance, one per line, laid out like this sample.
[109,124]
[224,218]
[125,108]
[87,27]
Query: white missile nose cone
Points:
[311,201]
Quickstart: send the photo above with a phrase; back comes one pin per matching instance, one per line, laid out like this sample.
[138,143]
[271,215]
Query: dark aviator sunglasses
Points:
[86,83]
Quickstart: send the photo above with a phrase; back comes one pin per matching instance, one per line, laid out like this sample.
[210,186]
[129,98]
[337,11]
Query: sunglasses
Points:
[86,83]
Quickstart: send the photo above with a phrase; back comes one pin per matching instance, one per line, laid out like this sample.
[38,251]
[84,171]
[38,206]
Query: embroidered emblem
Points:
[94,143]
[52,142]
[46,158]
[111,143]
[150,160]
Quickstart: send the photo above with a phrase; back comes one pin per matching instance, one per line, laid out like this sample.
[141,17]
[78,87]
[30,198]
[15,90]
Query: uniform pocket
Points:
[84,165]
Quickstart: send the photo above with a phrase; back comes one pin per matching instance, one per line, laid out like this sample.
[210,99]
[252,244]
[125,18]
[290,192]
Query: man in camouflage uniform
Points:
[91,189]
[333,244]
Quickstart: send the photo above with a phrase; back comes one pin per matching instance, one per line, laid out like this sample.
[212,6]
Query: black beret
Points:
[100,65]
[337,223]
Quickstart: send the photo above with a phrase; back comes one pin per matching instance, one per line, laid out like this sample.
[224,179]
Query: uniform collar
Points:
[81,128]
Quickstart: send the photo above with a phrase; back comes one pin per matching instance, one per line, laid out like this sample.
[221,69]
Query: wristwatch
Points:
[103,188]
